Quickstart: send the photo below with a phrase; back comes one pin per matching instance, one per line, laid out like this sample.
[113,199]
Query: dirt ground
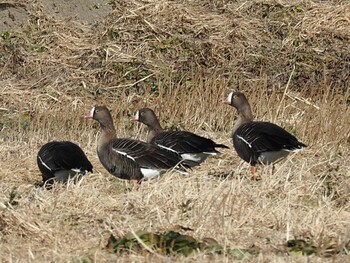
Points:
[16,14]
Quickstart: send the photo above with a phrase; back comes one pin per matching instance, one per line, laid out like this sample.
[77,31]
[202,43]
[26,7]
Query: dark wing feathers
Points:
[147,155]
[185,142]
[253,138]
[219,145]
[63,155]
[266,136]
[124,158]
[244,151]
[120,165]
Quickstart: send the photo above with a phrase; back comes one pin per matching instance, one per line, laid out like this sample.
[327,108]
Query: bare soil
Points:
[16,14]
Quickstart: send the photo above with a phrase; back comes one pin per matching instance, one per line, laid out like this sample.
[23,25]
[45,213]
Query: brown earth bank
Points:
[291,58]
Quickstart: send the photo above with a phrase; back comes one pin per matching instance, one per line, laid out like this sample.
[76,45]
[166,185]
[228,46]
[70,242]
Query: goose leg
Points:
[135,183]
[253,171]
[273,169]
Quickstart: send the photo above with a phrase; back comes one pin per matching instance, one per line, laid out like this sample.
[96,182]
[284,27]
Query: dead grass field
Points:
[291,58]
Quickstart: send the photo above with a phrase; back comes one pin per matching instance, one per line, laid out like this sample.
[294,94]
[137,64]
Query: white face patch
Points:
[137,116]
[229,97]
[92,112]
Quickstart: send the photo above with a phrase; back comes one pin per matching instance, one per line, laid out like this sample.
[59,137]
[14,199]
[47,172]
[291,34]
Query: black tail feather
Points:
[221,146]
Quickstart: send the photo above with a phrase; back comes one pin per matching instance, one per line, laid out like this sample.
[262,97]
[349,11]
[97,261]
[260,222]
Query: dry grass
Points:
[181,58]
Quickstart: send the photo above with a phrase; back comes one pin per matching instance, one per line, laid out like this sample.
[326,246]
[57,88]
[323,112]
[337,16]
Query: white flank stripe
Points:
[150,173]
[125,154]
[75,170]
[164,147]
[244,140]
[42,162]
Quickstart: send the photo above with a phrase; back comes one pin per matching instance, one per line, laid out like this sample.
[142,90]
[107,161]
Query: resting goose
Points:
[256,141]
[61,160]
[193,149]
[126,158]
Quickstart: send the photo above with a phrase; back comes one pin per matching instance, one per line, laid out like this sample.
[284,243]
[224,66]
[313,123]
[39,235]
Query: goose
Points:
[61,160]
[192,148]
[127,158]
[256,141]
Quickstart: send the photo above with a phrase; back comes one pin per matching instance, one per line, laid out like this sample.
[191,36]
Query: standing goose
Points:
[256,141]
[61,160]
[193,149]
[126,158]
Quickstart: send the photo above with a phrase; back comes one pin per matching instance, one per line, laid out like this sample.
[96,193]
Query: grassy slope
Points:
[181,58]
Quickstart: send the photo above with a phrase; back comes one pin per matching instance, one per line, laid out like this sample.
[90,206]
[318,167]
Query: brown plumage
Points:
[259,142]
[194,149]
[126,158]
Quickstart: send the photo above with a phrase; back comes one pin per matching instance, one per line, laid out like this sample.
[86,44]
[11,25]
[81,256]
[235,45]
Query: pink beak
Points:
[89,116]
[133,118]
[225,101]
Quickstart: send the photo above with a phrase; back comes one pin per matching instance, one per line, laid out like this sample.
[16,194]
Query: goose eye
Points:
[235,97]
[142,114]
